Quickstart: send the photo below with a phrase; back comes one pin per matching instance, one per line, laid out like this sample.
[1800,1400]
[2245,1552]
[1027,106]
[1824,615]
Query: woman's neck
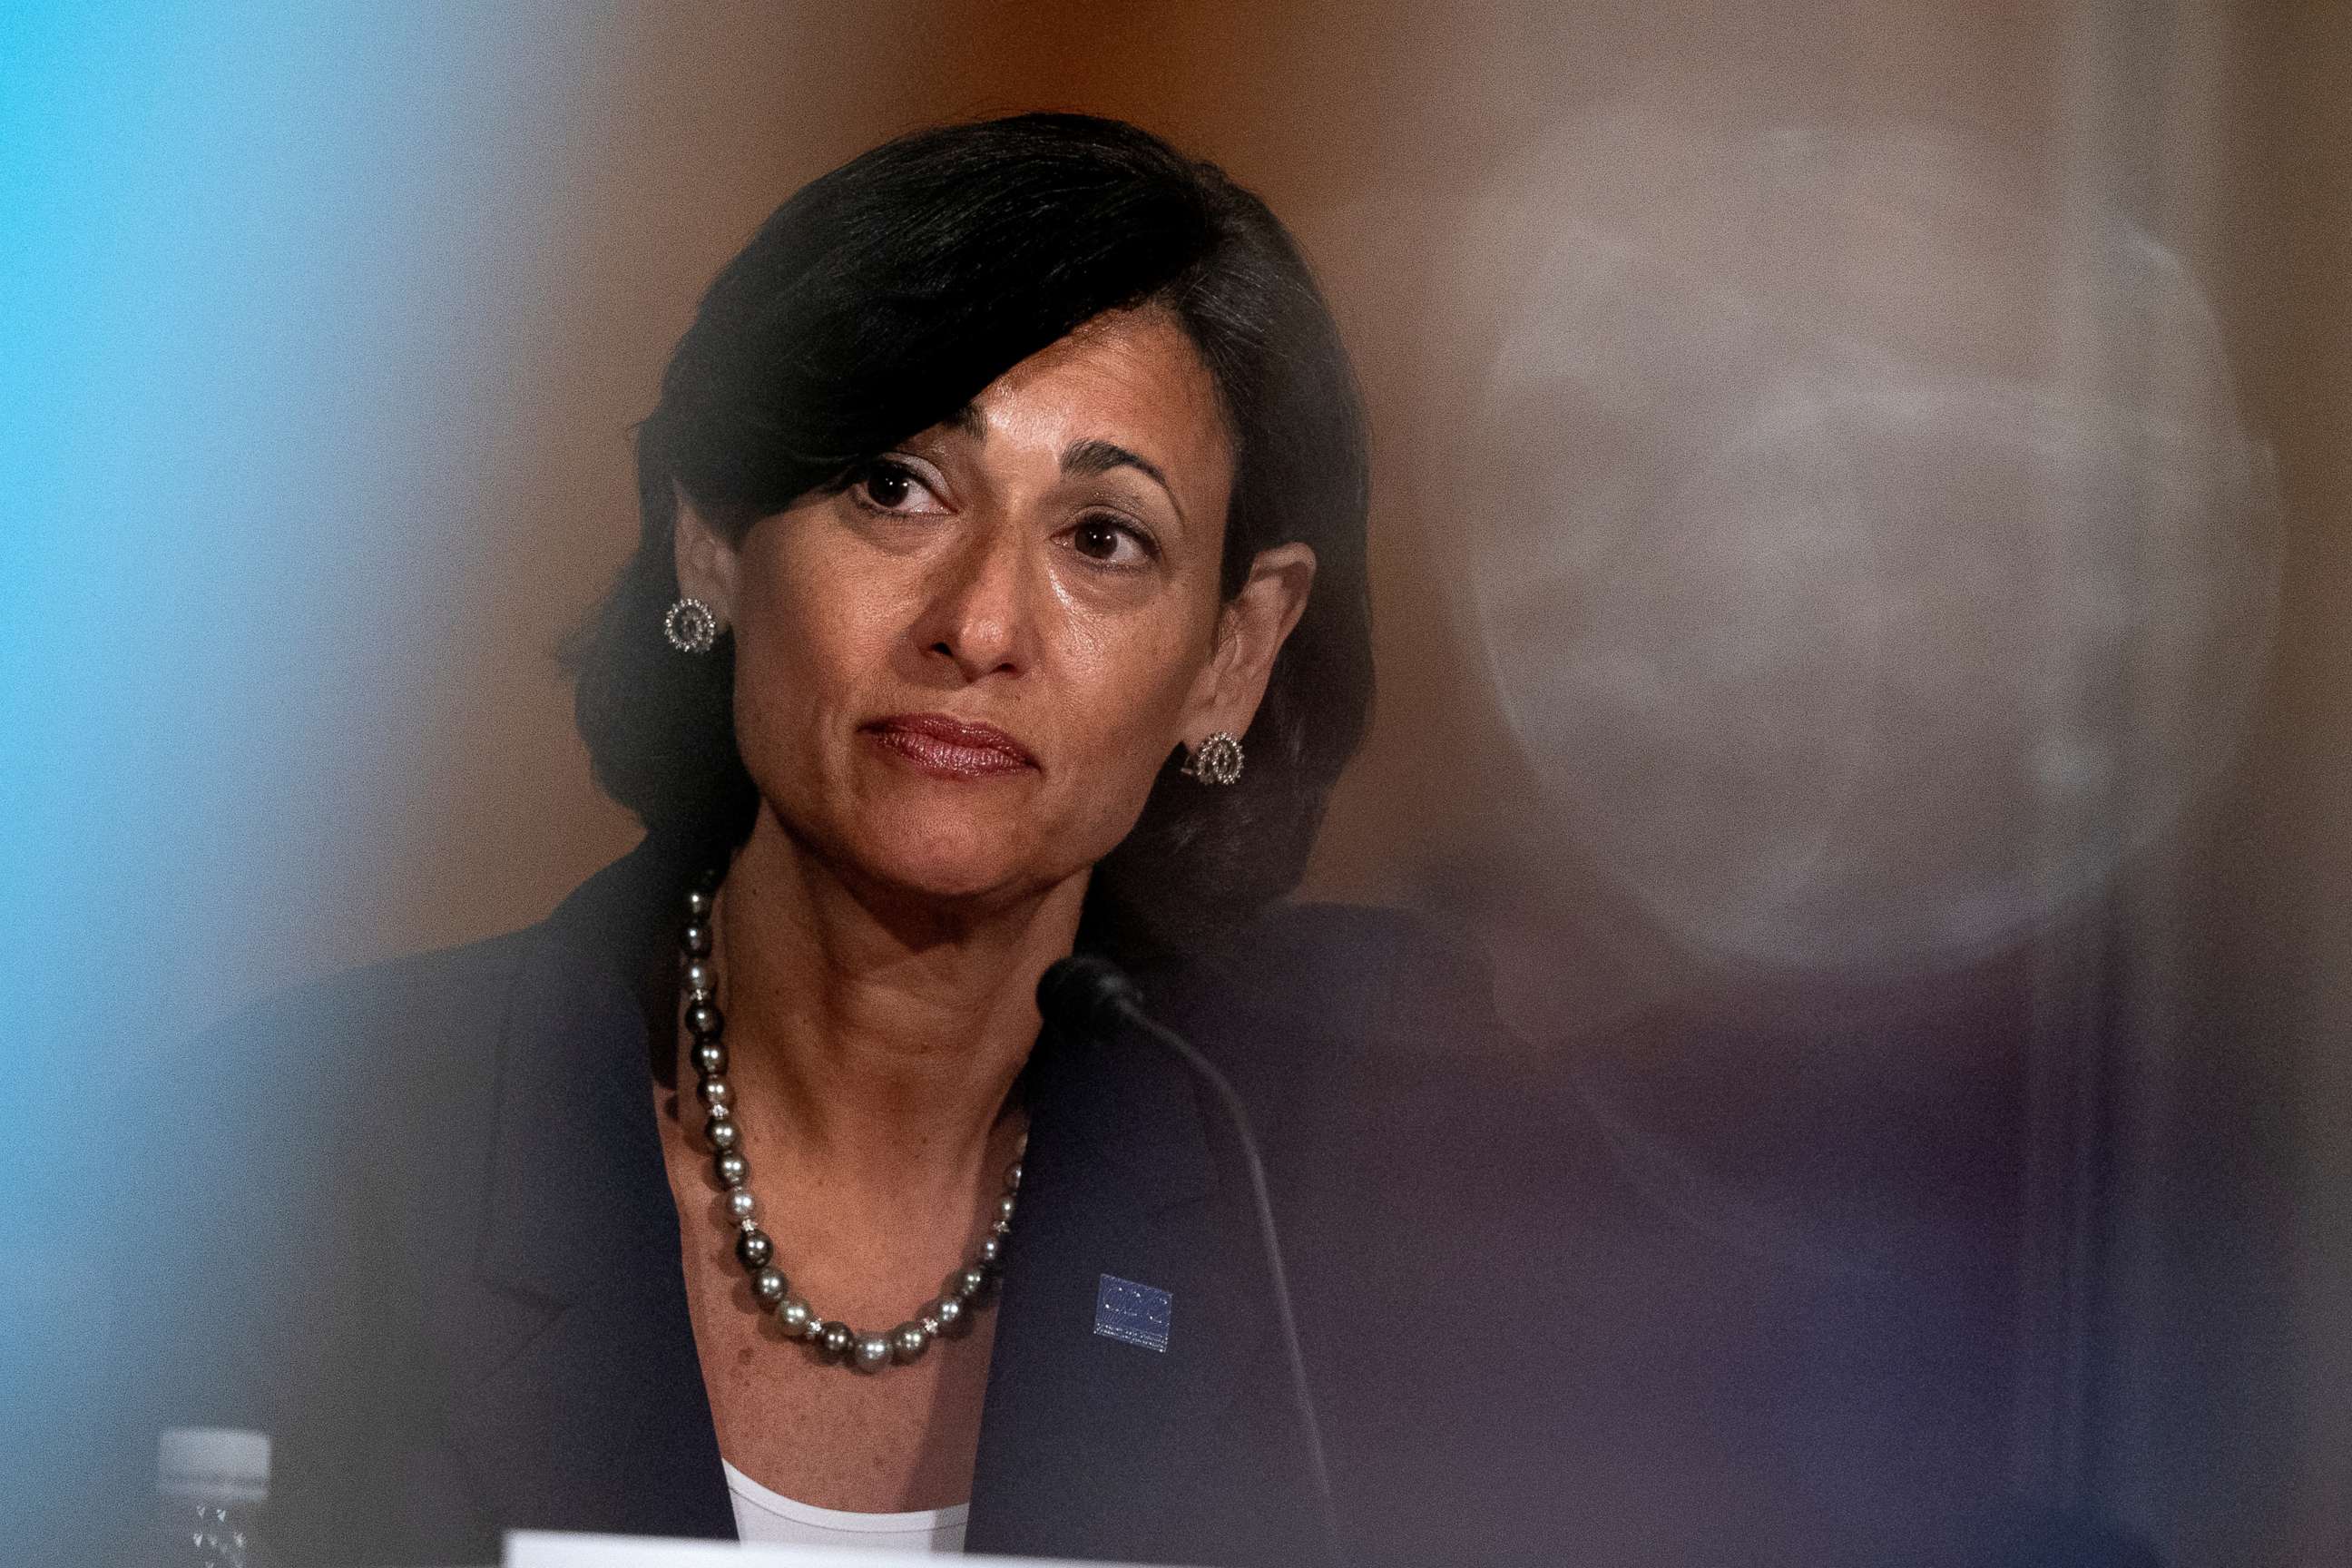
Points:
[875,1036]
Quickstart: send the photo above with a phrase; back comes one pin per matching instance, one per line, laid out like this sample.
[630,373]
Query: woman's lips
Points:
[950,747]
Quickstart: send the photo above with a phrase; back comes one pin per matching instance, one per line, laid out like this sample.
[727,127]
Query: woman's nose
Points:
[978,613]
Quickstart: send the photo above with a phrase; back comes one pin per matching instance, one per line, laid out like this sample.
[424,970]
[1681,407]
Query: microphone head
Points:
[1085,994]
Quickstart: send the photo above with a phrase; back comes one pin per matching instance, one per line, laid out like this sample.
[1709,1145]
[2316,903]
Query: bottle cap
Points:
[217,1464]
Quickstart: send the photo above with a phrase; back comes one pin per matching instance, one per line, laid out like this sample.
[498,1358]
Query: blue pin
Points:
[1132,1313]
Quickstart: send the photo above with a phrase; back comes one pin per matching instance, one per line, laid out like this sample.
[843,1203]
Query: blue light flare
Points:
[262,272]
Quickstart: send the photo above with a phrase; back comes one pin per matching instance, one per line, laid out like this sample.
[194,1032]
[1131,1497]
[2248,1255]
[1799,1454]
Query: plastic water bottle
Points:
[211,1487]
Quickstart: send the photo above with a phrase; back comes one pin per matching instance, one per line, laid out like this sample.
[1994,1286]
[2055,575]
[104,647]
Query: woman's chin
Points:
[949,871]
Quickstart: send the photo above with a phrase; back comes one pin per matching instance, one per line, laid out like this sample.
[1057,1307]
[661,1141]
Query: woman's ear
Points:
[1251,629]
[706,562]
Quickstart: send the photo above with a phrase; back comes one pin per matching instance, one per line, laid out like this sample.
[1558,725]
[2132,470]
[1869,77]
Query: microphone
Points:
[1085,994]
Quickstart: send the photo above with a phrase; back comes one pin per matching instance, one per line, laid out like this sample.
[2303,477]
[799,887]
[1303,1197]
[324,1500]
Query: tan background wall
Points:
[1357,124]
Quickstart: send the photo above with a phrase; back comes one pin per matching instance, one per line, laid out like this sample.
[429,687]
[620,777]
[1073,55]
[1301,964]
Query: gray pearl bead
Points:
[704,1022]
[991,1250]
[708,880]
[833,1340]
[953,1317]
[709,1058]
[794,1317]
[1013,1177]
[722,1136]
[715,1090]
[870,1352]
[1004,1207]
[699,978]
[768,1286]
[729,1166]
[697,906]
[754,1249]
[909,1342]
[696,940]
[964,1284]
[741,1205]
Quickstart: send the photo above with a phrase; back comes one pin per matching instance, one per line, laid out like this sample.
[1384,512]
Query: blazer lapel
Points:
[579,1400]
[1092,1446]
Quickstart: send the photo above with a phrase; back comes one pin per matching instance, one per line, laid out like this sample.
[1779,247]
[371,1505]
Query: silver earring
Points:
[1216,761]
[690,626]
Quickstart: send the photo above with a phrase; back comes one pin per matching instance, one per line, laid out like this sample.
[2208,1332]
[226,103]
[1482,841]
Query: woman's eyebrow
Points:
[1096,457]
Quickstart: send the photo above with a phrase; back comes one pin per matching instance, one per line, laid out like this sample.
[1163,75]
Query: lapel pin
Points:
[1132,1313]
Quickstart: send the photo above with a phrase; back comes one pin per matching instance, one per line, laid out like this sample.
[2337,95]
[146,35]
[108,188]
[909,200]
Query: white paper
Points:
[552,1549]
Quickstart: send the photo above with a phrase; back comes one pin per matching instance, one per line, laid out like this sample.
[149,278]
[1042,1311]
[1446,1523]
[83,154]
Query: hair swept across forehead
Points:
[884,296]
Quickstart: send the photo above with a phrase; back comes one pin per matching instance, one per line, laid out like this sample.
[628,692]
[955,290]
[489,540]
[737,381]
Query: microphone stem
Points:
[1207,1071]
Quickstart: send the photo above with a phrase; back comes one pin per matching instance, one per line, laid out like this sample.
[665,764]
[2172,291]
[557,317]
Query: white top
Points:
[771,1519]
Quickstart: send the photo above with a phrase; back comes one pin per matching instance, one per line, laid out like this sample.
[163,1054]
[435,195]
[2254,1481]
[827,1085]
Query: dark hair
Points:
[878,303]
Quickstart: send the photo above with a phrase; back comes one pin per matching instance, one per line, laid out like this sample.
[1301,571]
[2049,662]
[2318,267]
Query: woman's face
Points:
[960,677]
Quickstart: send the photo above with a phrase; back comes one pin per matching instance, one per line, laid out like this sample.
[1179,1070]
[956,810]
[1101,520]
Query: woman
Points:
[1000,592]
[990,481]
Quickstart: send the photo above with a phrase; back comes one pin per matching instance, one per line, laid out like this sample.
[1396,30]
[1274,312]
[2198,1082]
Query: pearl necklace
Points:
[948,1315]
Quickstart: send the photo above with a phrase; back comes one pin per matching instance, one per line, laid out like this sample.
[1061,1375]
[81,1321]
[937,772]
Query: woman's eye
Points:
[1110,541]
[893,487]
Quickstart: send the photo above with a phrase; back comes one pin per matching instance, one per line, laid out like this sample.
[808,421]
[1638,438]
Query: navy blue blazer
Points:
[416,1226]
[440,1259]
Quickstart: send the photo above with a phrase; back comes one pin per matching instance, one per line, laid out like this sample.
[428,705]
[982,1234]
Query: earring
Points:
[1216,761]
[690,626]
